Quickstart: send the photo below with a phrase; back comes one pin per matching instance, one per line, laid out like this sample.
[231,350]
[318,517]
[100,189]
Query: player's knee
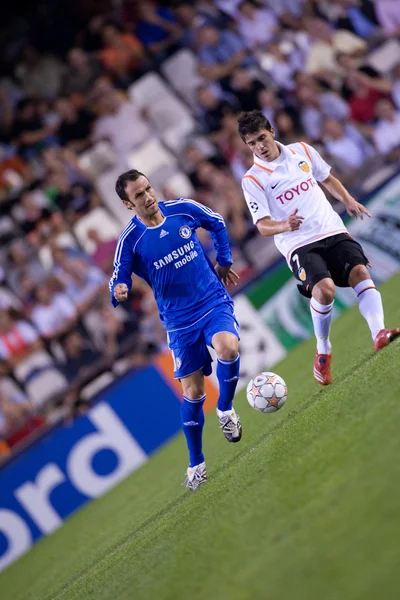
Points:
[193,390]
[324,291]
[229,350]
[358,273]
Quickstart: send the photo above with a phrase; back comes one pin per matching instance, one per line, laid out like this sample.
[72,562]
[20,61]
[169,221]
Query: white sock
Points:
[321,315]
[370,305]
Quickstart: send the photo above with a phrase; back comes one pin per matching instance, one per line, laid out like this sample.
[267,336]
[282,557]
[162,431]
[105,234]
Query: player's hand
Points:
[121,292]
[294,221]
[355,209]
[226,274]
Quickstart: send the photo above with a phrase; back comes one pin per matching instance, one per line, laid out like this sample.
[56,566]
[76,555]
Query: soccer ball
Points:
[266,392]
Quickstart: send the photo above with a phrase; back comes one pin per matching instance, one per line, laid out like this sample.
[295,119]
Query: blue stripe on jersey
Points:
[200,206]
[118,252]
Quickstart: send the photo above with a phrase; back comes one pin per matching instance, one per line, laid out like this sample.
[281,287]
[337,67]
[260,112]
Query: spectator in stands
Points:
[122,54]
[82,72]
[74,199]
[15,407]
[357,16]
[75,124]
[245,87]
[90,38]
[213,108]
[22,261]
[103,254]
[387,12]
[29,132]
[240,158]
[386,132]
[112,330]
[269,103]
[80,280]
[315,104]
[287,127]
[257,25]
[158,29]
[18,339]
[280,66]
[326,43]
[345,144]
[54,312]
[26,291]
[7,299]
[193,156]
[191,18]
[361,73]
[122,123]
[362,98]
[36,218]
[82,359]
[40,76]
[220,52]
[396,87]
[15,172]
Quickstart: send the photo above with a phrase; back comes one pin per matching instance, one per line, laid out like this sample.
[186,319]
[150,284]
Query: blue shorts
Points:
[189,345]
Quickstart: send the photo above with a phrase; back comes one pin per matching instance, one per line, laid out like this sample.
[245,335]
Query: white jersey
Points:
[275,189]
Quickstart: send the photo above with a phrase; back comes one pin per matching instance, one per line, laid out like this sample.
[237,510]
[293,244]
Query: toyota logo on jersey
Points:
[296,190]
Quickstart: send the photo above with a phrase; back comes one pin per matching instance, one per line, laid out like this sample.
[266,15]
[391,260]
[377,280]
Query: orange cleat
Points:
[384,337]
[322,368]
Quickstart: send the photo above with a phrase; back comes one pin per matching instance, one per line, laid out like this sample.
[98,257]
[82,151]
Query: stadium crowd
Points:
[88,89]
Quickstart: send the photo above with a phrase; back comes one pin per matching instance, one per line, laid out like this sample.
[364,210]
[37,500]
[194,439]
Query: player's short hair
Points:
[252,122]
[120,186]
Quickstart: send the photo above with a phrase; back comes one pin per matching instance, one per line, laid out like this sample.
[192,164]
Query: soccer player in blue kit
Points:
[160,245]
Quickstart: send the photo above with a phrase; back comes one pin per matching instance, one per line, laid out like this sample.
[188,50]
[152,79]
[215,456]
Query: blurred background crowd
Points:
[90,88]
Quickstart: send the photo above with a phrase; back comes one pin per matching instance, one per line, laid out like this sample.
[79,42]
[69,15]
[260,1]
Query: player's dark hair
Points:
[252,122]
[120,186]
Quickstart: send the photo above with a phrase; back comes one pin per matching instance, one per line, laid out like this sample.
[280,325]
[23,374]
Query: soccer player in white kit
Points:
[282,193]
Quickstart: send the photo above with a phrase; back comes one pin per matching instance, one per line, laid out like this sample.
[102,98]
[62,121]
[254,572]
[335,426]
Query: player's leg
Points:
[226,345]
[348,265]
[310,268]
[192,361]
[370,305]
[192,416]
[221,331]
[321,306]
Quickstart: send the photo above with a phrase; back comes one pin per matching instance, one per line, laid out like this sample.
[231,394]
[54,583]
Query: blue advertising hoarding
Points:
[72,465]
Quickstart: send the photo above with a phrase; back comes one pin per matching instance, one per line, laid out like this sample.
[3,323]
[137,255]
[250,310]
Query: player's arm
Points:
[121,281]
[213,222]
[267,226]
[338,191]
[322,173]
[257,203]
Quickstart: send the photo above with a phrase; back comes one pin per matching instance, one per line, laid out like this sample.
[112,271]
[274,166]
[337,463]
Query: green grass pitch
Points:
[307,506]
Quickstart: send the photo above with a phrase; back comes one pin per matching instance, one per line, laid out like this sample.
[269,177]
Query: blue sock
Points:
[228,377]
[192,416]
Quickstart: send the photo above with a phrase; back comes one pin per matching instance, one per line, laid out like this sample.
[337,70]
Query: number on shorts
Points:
[295,258]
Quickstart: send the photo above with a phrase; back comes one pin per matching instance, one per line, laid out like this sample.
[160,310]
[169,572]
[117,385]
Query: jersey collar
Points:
[272,165]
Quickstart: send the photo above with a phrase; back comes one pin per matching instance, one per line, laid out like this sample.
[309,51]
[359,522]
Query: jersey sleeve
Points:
[320,168]
[255,197]
[213,222]
[123,266]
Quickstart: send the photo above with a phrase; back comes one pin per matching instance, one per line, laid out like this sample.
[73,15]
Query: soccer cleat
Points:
[230,425]
[384,337]
[195,476]
[322,368]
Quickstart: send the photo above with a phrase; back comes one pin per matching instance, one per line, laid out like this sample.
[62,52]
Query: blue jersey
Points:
[172,261]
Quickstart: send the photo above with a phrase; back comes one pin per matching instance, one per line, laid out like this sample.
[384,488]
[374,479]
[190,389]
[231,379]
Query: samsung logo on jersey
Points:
[186,251]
